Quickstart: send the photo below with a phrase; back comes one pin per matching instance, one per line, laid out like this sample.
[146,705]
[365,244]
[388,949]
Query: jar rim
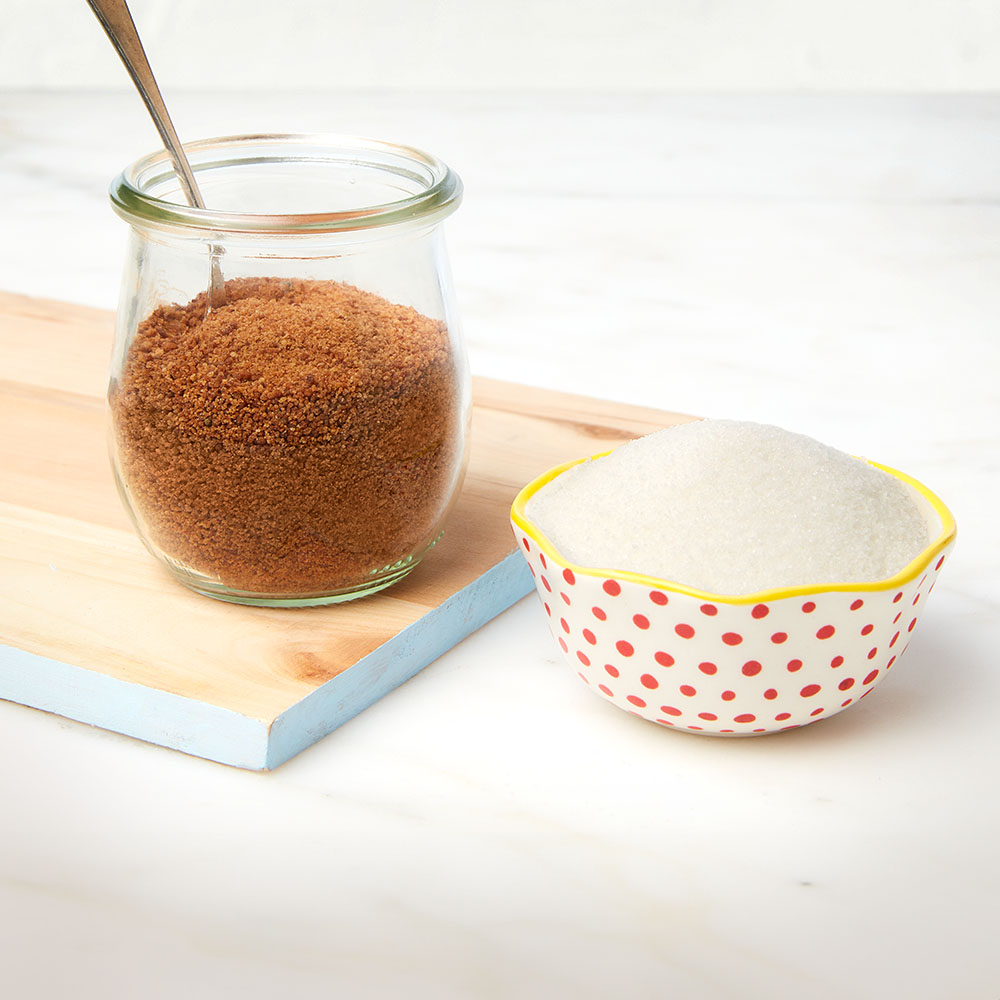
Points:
[439,187]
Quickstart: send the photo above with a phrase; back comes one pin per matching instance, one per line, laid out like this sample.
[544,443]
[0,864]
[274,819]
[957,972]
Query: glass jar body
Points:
[293,432]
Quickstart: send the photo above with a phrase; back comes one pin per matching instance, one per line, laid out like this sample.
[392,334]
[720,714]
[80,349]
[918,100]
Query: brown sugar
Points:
[293,441]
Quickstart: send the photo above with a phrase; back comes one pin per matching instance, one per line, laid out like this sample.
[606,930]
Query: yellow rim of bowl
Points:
[907,573]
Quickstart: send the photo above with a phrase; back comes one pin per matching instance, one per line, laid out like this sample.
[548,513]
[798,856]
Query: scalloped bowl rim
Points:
[916,565]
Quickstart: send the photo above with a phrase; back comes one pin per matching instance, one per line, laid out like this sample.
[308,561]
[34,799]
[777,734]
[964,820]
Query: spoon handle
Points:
[117,22]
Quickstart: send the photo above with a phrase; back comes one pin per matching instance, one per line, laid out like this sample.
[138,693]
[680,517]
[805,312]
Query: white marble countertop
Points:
[491,829]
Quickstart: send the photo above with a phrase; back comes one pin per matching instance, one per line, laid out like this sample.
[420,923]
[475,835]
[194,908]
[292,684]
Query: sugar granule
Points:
[732,507]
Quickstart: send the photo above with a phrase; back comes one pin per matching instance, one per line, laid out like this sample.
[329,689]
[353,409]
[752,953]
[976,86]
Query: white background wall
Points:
[670,45]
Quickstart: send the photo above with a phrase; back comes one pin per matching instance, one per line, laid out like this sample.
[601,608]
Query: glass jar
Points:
[289,393]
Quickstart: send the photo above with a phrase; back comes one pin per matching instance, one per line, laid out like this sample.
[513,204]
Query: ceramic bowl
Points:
[724,665]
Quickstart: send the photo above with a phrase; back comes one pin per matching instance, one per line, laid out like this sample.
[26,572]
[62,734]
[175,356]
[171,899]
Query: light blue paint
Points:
[228,737]
[133,709]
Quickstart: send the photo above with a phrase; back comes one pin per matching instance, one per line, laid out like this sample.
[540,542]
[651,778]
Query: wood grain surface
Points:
[81,600]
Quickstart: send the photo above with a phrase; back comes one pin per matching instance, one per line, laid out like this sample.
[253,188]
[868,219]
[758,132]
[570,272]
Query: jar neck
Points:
[289,185]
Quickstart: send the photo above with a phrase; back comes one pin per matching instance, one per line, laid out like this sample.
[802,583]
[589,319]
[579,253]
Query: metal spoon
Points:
[116,19]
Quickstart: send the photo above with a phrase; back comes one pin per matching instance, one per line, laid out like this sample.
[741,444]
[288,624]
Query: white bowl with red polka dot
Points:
[725,665]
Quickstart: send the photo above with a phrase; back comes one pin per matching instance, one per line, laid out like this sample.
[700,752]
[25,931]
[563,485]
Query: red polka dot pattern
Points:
[721,667]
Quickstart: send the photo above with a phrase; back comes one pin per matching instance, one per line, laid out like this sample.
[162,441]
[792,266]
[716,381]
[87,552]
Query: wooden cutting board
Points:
[92,629]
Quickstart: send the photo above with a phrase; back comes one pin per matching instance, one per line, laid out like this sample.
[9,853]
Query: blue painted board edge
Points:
[145,713]
[406,654]
[227,737]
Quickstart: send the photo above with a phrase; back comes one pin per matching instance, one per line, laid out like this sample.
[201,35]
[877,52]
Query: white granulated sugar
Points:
[732,507]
